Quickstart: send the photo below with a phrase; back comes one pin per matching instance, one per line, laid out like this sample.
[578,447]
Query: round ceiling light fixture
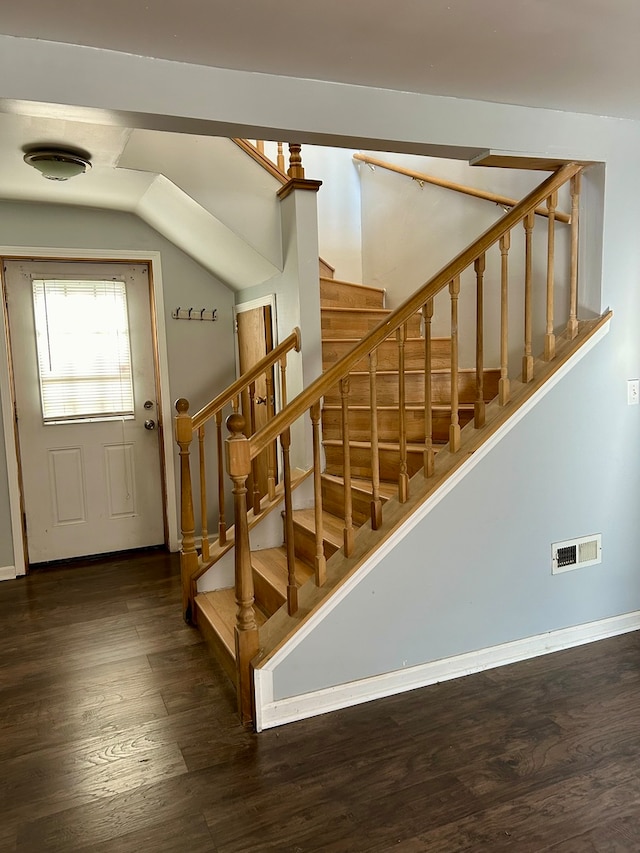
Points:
[57,164]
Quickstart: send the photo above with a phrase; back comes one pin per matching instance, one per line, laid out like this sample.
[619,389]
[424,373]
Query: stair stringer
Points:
[275,707]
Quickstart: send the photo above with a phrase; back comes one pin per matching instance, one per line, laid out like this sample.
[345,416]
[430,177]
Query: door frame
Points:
[161,360]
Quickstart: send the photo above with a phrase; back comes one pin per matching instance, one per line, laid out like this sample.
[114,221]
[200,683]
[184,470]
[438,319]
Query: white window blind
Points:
[84,355]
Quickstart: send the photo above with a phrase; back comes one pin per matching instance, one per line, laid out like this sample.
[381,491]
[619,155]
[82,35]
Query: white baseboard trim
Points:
[7,573]
[278,712]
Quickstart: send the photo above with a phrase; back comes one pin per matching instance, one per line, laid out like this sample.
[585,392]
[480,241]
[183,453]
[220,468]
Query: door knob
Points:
[149,424]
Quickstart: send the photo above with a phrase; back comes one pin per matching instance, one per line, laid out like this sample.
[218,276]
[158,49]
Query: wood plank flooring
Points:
[118,734]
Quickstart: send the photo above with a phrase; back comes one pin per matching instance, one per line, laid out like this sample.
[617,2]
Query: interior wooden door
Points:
[91,477]
[255,340]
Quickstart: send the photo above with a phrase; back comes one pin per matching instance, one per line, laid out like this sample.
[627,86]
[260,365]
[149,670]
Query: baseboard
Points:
[271,713]
[7,573]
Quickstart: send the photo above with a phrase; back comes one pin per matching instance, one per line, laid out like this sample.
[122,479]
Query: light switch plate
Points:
[633,392]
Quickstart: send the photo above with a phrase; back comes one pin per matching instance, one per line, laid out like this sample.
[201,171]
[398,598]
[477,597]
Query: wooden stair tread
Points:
[218,608]
[409,407]
[412,447]
[272,565]
[387,490]
[332,526]
[416,371]
[350,338]
[332,280]
[335,309]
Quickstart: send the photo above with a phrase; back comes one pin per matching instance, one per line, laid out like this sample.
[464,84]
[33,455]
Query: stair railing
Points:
[242,449]
[241,392]
[278,167]
[422,178]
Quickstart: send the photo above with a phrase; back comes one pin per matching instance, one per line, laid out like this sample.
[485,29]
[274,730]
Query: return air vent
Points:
[576,553]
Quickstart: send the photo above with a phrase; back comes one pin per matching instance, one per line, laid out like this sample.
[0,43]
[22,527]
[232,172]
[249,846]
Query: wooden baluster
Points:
[254,462]
[246,632]
[479,407]
[222,524]
[503,385]
[454,429]
[188,553]
[295,161]
[203,496]
[283,381]
[429,455]
[271,451]
[260,145]
[280,157]
[550,338]
[403,478]
[527,358]
[320,562]
[292,586]
[349,532]
[572,325]
[376,500]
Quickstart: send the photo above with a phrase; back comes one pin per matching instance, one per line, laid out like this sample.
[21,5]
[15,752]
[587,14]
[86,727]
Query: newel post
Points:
[188,553]
[246,633]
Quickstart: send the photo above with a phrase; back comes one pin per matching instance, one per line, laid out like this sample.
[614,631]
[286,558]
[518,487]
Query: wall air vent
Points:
[576,553]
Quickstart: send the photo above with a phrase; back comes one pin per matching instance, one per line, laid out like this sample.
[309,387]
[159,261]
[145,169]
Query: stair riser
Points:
[387,388]
[305,545]
[333,351]
[342,294]
[356,324]
[268,598]
[361,462]
[216,646]
[333,501]
[388,424]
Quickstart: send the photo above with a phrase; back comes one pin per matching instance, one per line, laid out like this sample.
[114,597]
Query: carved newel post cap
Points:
[235,424]
[182,406]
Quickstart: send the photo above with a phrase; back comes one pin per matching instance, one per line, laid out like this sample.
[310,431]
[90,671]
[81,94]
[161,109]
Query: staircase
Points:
[348,312]
[431,414]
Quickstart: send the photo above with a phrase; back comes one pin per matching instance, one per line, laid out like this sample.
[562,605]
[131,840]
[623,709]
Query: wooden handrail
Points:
[503,200]
[300,404]
[261,158]
[223,399]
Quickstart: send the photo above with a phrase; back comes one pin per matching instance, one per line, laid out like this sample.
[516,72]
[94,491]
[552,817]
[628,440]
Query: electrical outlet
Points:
[633,392]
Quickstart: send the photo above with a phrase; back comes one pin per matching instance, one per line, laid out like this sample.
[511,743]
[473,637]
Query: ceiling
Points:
[575,55]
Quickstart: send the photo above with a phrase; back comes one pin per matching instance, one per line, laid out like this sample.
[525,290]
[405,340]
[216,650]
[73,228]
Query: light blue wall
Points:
[477,571]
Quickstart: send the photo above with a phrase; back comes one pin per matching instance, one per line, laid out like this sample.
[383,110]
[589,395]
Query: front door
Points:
[86,408]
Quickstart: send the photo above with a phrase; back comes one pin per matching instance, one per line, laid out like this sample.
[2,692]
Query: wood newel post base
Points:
[246,631]
[188,555]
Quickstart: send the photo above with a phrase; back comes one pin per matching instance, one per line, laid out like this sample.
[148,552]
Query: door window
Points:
[84,353]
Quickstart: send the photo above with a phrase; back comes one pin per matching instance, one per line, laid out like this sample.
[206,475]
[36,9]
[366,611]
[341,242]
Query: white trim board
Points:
[271,713]
[153,258]
[7,573]
[425,508]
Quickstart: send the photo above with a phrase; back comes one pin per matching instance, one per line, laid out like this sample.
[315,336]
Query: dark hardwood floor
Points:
[119,734]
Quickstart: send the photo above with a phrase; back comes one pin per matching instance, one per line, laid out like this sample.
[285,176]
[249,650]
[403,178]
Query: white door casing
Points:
[92,487]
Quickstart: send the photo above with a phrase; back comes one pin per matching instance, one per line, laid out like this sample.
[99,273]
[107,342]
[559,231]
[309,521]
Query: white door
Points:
[85,389]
